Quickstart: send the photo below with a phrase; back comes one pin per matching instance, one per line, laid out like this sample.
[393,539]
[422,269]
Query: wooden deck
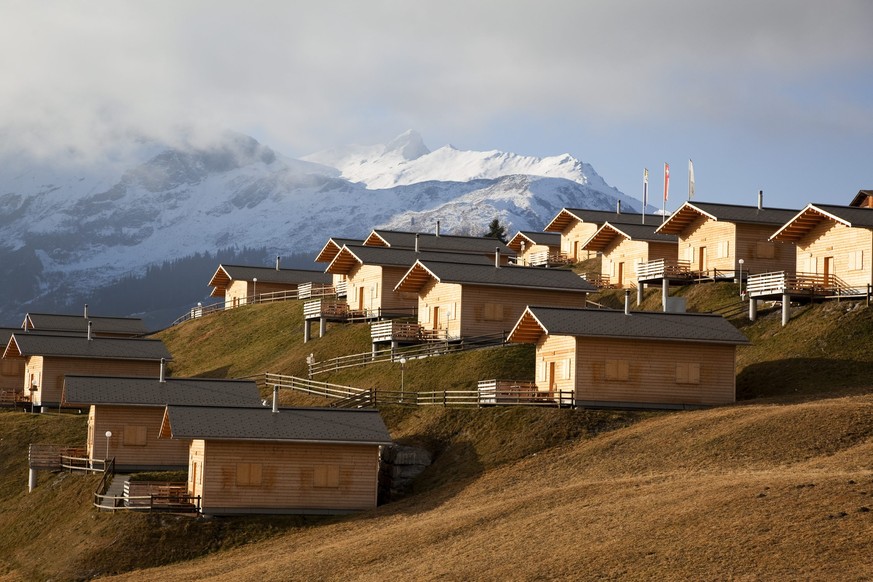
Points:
[661,269]
[799,285]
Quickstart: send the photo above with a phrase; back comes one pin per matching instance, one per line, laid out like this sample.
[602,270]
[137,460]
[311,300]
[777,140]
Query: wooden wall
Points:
[830,239]
[155,453]
[50,371]
[744,241]
[556,363]
[378,285]
[237,292]
[478,318]
[630,253]
[11,377]
[574,237]
[287,476]
[653,372]
[533,249]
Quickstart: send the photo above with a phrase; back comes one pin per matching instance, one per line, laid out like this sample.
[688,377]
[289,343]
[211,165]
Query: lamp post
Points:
[108,436]
[741,276]
[402,366]
[255,291]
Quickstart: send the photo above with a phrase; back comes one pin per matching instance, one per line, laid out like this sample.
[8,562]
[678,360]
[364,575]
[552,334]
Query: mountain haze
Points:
[71,227]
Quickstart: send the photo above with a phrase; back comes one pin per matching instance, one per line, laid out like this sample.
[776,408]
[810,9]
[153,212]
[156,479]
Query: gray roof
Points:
[79,324]
[640,232]
[540,238]
[272,275]
[29,344]
[451,243]
[608,323]
[744,214]
[151,392]
[323,425]
[509,276]
[601,216]
[388,256]
[856,216]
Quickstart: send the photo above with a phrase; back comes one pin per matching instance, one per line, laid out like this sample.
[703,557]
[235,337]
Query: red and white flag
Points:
[666,180]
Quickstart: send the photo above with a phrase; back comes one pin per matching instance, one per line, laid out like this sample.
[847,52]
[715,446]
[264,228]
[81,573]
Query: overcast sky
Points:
[772,95]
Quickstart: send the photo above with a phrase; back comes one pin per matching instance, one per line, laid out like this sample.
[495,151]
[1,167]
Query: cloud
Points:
[315,74]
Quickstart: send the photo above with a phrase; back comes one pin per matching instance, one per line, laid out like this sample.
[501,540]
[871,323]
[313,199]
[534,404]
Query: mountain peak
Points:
[408,144]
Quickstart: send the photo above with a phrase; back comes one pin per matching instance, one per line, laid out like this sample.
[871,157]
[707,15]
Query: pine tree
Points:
[496,230]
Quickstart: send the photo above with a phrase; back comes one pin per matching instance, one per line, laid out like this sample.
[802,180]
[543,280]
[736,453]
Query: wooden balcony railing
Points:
[325,308]
[663,268]
[781,282]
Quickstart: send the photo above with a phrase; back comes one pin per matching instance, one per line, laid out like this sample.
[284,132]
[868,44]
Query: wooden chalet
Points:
[101,326]
[610,358]
[132,409]
[48,358]
[238,284]
[538,249]
[11,371]
[327,254]
[834,248]
[863,199]
[577,225]
[623,247]
[462,300]
[713,238]
[280,461]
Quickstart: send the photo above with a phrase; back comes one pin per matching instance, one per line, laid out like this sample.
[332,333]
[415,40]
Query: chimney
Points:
[497,257]
[627,301]
[760,199]
[278,258]
[161,378]
[438,228]
[89,331]
[275,399]
[618,206]
[416,242]
[86,311]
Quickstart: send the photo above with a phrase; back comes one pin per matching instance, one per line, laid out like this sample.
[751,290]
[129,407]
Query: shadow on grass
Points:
[804,377]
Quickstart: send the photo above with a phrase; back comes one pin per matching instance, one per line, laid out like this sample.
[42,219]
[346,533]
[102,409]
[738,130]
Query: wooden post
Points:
[322,326]
[786,308]
[31,479]
[640,286]
[665,292]
[306,330]
[753,309]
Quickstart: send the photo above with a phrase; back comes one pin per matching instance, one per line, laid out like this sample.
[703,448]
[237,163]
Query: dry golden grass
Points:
[750,492]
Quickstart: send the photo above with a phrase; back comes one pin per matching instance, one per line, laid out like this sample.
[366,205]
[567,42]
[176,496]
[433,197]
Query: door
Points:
[828,271]
[702,265]
[620,276]
[576,250]
[436,317]
[361,303]
[552,380]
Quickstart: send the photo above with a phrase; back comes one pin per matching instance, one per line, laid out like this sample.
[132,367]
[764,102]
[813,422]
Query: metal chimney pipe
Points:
[627,293]
[618,206]
[416,242]
[89,331]
[278,258]
[275,399]
[497,257]
[86,311]
[161,375]
[438,228]
[760,199]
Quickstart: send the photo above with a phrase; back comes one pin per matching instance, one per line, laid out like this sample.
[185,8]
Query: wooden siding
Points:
[575,236]
[629,253]
[446,297]
[156,453]
[830,239]
[287,474]
[556,363]
[236,294]
[378,284]
[652,372]
[49,373]
[533,249]
[752,239]
[11,377]
[474,301]
[744,241]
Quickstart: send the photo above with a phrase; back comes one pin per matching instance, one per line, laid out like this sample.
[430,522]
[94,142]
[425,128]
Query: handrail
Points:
[780,282]
[105,481]
[660,268]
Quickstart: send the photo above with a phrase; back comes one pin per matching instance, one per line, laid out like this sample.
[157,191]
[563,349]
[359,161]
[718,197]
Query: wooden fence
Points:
[812,284]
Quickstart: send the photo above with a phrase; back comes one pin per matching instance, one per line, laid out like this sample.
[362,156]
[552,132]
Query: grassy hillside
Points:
[778,486]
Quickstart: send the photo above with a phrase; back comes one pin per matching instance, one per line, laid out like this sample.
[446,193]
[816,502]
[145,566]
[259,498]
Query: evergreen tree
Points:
[496,230]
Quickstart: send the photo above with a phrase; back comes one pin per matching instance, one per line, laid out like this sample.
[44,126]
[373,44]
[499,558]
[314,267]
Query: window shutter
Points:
[424,313]
[567,368]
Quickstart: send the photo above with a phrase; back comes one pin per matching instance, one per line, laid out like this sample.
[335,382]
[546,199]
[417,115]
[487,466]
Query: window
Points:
[765,250]
[493,312]
[617,370]
[11,367]
[688,373]
[856,260]
[248,474]
[722,249]
[134,436]
[567,369]
[326,476]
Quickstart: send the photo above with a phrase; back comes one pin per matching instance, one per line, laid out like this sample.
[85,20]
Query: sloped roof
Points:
[333,246]
[691,211]
[490,276]
[23,344]
[569,215]
[320,425]
[131,391]
[608,323]
[804,221]
[132,326]
[432,242]
[353,255]
[607,233]
[530,238]
[227,273]
[861,197]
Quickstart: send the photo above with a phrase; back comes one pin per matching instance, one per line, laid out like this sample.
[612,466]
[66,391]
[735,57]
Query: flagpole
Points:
[645,192]
[690,179]
[666,191]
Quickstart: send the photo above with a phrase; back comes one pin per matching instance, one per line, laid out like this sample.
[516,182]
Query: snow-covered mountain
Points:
[69,227]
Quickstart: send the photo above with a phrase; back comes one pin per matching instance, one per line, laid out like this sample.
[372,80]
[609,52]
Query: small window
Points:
[617,370]
[493,312]
[567,369]
[765,250]
[688,373]
[134,436]
[856,260]
[12,366]
[248,474]
[326,476]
